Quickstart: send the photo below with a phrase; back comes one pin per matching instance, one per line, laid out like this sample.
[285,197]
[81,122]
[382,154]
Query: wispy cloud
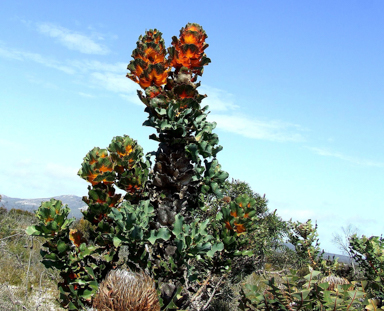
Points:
[37,81]
[224,112]
[218,100]
[111,77]
[341,156]
[273,130]
[72,40]
[86,65]
[116,83]
[113,82]
[39,179]
[86,95]
[101,75]
[35,57]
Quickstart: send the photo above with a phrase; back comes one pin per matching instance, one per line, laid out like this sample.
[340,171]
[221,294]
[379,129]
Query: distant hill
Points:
[74,203]
[342,258]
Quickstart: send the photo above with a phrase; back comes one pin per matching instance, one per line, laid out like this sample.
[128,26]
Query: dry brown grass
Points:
[25,284]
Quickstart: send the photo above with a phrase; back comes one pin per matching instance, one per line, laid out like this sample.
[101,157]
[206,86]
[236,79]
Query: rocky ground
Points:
[14,298]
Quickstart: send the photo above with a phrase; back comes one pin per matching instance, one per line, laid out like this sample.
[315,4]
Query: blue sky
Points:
[296,88]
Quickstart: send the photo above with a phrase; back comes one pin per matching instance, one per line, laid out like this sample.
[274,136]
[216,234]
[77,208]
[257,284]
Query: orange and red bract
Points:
[188,50]
[50,218]
[76,237]
[127,151]
[241,215]
[239,228]
[185,94]
[149,67]
[132,188]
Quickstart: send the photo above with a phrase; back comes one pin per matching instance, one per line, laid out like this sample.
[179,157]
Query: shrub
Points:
[161,220]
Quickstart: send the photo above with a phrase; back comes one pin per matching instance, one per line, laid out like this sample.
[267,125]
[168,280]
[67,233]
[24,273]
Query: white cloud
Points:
[35,178]
[46,84]
[108,76]
[10,145]
[61,171]
[116,83]
[111,77]
[37,58]
[86,65]
[218,100]
[273,130]
[72,40]
[354,160]
[113,82]
[86,95]
[221,103]
[12,54]
[132,98]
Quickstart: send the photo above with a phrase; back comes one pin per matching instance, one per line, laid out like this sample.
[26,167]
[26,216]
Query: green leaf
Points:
[162,233]
[305,293]
[88,293]
[324,286]
[192,149]
[109,256]
[62,246]
[358,293]
[202,247]
[81,282]
[94,285]
[219,216]
[215,248]
[216,189]
[178,225]
[311,275]
[164,125]
[31,230]
[51,256]
[247,253]
[116,241]
[203,226]
[90,272]
[161,111]
[71,306]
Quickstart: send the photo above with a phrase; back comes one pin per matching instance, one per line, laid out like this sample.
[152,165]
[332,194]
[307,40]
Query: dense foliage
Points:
[324,289]
[161,218]
[179,220]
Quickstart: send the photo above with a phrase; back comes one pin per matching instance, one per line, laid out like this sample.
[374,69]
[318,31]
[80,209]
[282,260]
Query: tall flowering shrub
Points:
[161,219]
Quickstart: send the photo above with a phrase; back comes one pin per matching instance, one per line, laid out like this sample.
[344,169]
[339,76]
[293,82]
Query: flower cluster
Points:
[242,213]
[188,50]
[149,66]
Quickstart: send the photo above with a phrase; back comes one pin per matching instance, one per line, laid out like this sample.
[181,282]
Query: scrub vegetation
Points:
[197,240]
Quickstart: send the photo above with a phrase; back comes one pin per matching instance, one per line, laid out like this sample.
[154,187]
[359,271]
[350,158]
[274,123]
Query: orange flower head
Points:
[132,188]
[228,225]
[188,50]
[127,151]
[240,228]
[91,177]
[76,237]
[49,218]
[149,66]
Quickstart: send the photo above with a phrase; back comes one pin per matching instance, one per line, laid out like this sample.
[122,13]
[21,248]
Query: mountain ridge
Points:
[75,203]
